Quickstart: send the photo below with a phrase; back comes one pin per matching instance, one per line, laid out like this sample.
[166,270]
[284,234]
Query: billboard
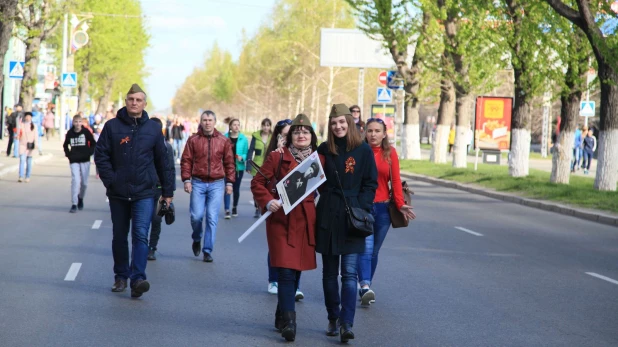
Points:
[492,130]
[386,112]
[352,48]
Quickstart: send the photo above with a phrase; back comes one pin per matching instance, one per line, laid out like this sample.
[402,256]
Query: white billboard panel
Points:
[352,48]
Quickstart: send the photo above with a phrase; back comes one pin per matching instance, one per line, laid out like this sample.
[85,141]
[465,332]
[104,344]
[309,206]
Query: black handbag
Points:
[398,220]
[361,221]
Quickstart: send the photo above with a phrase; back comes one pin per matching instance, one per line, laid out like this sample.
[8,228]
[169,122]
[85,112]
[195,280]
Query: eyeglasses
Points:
[379,120]
[284,122]
[304,133]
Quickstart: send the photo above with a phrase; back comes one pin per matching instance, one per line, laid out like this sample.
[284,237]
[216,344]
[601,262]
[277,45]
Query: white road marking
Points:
[73,271]
[468,231]
[602,277]
[97,224]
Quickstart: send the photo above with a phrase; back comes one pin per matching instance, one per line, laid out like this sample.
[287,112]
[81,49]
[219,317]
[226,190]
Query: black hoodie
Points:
[82,145]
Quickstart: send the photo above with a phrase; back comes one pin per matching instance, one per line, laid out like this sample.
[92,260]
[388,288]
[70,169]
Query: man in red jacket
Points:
[206,162]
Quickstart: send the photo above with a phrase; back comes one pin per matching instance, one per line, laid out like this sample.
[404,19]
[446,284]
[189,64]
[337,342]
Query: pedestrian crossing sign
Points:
[385,95]
[16,69]
[586,109]
[69,79]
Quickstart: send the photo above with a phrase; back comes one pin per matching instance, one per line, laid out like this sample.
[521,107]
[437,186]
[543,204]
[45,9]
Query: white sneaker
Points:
[299,295]
[177,161]
[273,288]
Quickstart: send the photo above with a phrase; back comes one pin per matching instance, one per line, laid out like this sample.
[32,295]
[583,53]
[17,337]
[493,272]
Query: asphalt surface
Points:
[524,282]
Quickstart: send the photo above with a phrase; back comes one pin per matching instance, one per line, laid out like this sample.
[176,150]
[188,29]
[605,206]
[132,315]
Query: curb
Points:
[588,215]
[15,168]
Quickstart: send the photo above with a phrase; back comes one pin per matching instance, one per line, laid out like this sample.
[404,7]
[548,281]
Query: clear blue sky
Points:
[183,30]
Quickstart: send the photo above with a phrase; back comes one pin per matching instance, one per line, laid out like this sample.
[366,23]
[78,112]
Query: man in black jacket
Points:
[81,144]
[131,158]
[12,123]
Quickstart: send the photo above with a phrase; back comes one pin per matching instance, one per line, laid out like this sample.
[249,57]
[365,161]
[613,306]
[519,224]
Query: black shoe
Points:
[119,286]
[289,326]
[279,322]
[257,213]
[234,212]
[367,296]
[73,209]
[196,248]
[139,287]
[332,329]
[151,255]
[207,258]
[80,204]
[346,332]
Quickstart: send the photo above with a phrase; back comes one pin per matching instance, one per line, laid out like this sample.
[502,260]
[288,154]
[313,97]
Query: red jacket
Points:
[384,173]
[291,238]
[208,158]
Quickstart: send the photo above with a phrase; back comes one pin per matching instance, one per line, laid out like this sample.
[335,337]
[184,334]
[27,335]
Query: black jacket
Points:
[131,157]
[81,145]
[359,186]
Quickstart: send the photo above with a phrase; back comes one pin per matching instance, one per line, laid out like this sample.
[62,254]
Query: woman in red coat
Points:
[291,238]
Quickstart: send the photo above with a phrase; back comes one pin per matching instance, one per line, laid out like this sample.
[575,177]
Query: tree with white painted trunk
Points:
[574,51]
[399,28]
[589,16]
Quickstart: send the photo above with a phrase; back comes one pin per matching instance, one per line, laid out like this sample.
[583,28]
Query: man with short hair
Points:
[78,147]
[131,156]
[206,162]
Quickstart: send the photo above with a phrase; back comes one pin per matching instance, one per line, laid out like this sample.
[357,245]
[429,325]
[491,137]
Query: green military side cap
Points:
[301,119]
[339,110]
[135,89]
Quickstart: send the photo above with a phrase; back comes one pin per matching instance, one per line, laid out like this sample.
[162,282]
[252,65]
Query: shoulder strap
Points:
[329,156]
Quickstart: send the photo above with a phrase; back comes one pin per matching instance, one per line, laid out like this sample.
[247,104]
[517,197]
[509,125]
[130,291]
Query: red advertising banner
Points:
[493,123]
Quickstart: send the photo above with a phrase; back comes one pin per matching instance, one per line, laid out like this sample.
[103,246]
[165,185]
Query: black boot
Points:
[346,332]
[289,328]
[279,322]
[333,327]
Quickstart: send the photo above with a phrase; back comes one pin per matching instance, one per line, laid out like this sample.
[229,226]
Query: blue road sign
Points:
[586,108]
[393,81]
[16,69]
[69,79]
[385,95]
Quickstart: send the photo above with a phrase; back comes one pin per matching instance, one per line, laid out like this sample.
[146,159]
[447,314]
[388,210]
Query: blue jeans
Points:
[25,162]
[136,215]
[577,156]
[587,159]
[286,291]
[273,273]
[340,307]
[16,147]
[205,199]
[177,148]
[236,186]
[368,261]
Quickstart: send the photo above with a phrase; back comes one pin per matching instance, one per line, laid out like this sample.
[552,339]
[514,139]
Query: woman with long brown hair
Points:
[387,164]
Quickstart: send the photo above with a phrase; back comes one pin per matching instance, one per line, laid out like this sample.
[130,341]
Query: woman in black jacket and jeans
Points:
[347,156]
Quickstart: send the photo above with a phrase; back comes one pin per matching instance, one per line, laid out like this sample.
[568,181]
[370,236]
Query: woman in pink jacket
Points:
[48,124]
[27,143]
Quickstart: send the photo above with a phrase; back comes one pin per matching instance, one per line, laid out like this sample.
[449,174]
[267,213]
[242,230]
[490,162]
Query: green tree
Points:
[589,16]
[7,22]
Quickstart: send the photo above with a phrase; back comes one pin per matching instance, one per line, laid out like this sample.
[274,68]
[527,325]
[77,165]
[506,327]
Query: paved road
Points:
[522,283]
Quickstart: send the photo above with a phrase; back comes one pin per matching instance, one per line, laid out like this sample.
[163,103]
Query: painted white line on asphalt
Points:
[97,224]
[468,231]
[73,271]
[602,277]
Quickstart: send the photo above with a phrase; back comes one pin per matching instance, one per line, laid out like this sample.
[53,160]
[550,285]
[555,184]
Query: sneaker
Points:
[207,258]
[585,172]
[227,215]
[177,161]
[119,285]
[27,180]
[257,213]
[234,212]
[21,179]
[273,288]
[73,209]
[299,295]
[80,203]
[139,287]
[151,255]
[366,296]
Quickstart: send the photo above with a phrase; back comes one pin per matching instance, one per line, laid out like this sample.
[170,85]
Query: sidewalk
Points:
[10,165]
[538,164]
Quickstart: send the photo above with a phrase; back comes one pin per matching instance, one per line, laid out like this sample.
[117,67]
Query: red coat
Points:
[291,238]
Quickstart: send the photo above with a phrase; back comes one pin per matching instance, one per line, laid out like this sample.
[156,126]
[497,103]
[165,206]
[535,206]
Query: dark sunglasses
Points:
[355,111]
[284,122]
[379,120]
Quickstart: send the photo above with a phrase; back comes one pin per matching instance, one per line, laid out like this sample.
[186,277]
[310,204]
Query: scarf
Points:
[300,154]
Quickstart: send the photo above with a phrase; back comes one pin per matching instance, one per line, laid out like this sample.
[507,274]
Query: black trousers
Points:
[155,225]
[11,136]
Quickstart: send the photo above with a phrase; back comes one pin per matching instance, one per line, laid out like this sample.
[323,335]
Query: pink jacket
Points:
[27,135]
[48,121]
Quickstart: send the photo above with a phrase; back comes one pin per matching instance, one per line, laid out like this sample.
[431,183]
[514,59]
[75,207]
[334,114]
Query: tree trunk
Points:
[104,100]
[607,165]
[314,96]
[302,95]
[446,113]
[460,149]
[411,139]
[84,86]
[563,148]
[7,14]
[329,100]
[28,83]
[520,132]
